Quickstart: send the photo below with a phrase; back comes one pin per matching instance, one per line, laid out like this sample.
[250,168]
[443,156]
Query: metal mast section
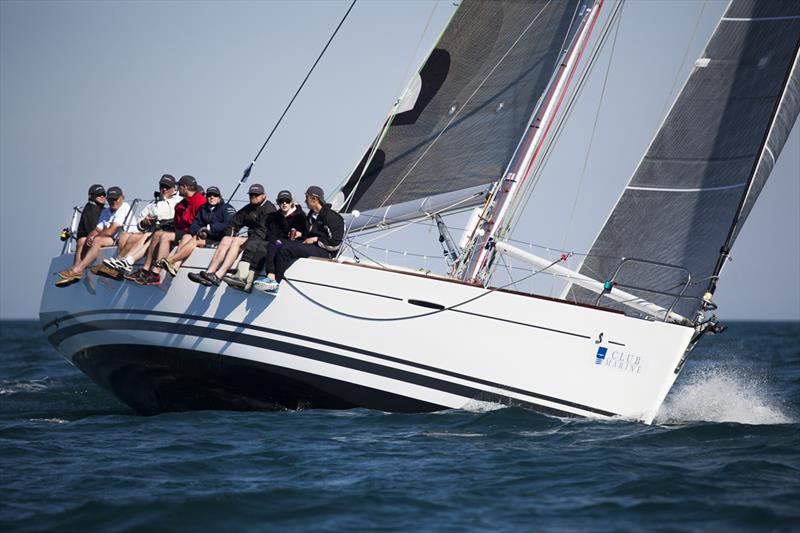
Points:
[495,220]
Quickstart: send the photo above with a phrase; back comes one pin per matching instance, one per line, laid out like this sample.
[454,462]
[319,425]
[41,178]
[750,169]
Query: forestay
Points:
[707,164]
[458,124]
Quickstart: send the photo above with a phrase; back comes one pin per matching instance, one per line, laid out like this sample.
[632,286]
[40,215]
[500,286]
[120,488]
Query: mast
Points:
[495,220]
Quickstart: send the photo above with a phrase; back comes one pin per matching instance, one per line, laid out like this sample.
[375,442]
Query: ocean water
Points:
[724,455]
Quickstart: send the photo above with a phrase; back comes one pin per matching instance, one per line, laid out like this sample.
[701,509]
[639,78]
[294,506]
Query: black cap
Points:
[96,190]
[200,189]
[283,195]
[167,180]
[213,190]
[114,192]
[187,181]
[316,191]
[256,188]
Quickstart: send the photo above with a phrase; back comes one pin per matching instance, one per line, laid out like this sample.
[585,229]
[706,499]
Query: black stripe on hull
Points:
[59,336]
[156,379]
[465,391]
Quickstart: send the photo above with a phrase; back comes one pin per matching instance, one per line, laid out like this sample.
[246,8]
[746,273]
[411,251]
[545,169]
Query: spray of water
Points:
[719,394]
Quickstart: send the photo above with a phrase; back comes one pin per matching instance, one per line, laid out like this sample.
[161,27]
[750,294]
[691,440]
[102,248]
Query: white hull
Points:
[341,335]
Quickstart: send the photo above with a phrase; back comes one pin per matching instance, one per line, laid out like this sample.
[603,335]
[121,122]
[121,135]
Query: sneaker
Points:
[149,278]
[234,282]
[134,276]
[197,278]
[211,278]
[268,285]
[167,265]
[124,266]
[111,262]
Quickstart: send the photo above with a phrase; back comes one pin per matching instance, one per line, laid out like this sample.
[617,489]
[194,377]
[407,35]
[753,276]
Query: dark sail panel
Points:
[706,166]
[470,106]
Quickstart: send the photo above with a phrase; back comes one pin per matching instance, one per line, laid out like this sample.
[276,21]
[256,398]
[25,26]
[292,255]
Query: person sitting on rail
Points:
[207,229]
[163,240]
[90,216]
[157,215]
[287,223]
[253,216]
[323,239]
[109,226]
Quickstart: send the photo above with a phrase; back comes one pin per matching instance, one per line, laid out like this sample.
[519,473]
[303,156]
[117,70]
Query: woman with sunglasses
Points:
[288,223]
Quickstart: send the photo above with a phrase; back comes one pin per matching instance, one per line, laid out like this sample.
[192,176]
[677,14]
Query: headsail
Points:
[707,164]
[458,125]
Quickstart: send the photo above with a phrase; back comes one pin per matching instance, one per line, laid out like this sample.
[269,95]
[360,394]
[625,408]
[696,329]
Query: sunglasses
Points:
[212,195]
[281,202]
[115,199]
[165,187]
[254,195]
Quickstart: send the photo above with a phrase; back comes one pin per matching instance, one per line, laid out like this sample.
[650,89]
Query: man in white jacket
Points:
[156,215]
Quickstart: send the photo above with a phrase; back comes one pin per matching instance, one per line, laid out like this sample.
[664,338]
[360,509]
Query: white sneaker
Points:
[111,262]
[123,264]
[268,285]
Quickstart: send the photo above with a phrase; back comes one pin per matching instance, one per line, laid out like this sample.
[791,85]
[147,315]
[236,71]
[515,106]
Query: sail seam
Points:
[760,19]
[699,189]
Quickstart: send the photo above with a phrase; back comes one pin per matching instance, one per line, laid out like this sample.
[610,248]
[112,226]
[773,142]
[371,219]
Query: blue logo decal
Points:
[601,354]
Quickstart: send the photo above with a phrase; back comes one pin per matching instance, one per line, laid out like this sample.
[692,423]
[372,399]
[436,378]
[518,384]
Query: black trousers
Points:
[291,251]
[254,252]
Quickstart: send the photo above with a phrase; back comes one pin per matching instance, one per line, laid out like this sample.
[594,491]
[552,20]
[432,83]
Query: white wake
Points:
[714,394]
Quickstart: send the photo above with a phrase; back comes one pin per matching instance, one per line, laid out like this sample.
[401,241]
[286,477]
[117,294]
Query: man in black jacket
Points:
[323,239]
[89,218]
[287,223]
[253,216]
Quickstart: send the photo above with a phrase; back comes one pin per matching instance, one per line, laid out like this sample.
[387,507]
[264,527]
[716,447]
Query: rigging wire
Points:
[249,168]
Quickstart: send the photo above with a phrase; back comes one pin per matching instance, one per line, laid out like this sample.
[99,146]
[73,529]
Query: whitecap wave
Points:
[477,406]
[715,394]
[15,387]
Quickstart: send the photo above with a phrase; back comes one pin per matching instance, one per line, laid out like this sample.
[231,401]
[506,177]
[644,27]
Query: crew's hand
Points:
[294,234]
[311,240]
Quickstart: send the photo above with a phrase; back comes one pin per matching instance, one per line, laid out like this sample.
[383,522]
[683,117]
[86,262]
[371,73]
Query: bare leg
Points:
[79,251]
[165,241]
[90,256]
[129,242]
[151,249]
[187,246]
[230,257]
[220,253]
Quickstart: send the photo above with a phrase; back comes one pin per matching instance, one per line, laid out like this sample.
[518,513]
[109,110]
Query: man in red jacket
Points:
[163,241]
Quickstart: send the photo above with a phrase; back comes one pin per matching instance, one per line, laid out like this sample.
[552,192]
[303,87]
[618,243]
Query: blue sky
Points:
[121,92]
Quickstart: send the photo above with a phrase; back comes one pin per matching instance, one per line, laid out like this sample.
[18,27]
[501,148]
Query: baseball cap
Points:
[168,180]
[256,188]
[114,192]
[213,190]
[187,181]
[284,195]
[316,191]
[96,190]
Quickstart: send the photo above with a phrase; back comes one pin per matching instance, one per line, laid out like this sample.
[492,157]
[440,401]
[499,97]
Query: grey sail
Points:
[459,124]
[695,186]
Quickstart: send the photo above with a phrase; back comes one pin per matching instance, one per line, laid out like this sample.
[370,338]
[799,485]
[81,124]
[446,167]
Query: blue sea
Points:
[724,455]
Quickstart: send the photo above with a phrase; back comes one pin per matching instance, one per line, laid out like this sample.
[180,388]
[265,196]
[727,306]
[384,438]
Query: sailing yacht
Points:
[471,134]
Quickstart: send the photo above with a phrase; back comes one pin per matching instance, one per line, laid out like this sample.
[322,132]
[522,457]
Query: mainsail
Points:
[458,125]
[695,186]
